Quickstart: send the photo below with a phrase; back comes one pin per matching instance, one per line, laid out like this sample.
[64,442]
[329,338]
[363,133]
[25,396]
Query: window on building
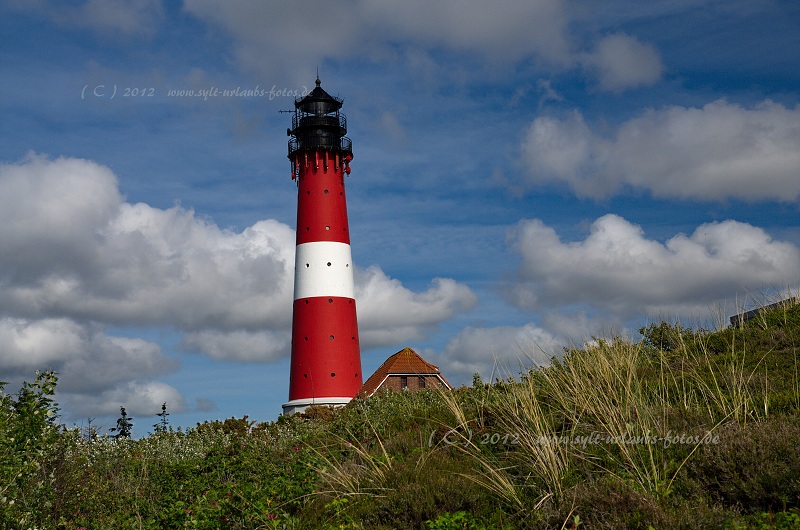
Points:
[403,381]
[422,382]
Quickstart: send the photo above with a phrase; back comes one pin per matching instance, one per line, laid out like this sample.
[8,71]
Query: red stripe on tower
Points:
[326,358]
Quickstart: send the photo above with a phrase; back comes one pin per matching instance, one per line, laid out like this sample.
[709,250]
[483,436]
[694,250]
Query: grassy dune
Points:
[683,428]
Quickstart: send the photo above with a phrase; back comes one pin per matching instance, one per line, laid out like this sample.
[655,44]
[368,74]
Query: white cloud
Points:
[89,363]
[716,152]
[566,150]
[389,313]
[75,259]
[132,264]
[617,268]
[497,352]
[621,61]
[72,248]
[28,346]
[240,345]
[140,398]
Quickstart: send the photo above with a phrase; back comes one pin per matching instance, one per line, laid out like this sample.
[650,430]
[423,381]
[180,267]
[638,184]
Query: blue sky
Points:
[526,175]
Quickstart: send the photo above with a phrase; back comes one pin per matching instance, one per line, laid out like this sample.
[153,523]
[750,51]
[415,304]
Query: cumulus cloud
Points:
[142,398]
[497,352]
[617,268]
[75,259]
[716,152]
[621,61]
[240,345]
[89,364]
[72,248]
[388,312]
[32,345]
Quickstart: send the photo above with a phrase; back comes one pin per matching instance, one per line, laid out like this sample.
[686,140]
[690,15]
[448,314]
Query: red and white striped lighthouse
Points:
[326,358]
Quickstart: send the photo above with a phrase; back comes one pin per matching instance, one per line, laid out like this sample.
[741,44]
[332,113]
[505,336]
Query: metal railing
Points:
[344,145]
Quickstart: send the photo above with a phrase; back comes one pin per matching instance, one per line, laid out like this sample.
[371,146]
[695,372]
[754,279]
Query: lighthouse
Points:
[326,358]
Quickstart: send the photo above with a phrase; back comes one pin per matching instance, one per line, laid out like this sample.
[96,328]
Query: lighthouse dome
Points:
[318,102]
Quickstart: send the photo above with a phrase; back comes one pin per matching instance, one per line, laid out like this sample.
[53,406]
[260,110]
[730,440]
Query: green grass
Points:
[682,428]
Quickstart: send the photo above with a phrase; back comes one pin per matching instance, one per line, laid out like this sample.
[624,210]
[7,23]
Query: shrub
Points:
[29,452]
[755,466]
[579,442]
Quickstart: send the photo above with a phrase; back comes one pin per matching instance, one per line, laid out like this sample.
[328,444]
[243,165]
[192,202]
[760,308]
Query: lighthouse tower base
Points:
[296,406]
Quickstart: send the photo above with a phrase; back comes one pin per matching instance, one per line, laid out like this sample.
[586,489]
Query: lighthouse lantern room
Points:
[326,358]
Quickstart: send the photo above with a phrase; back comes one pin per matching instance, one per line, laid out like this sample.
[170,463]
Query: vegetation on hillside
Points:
[685,428]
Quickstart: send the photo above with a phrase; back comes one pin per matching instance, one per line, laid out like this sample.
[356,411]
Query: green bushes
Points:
[684,429]
[219,475]
[756,465]
[30,453]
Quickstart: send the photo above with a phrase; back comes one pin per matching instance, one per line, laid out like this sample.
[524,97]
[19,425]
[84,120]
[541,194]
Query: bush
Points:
[502,455]
[30,452]
[755,466]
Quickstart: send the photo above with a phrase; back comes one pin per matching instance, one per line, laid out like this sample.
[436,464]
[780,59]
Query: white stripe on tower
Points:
[323,268]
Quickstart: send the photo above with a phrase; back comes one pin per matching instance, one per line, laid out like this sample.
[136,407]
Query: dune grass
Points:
[680,428]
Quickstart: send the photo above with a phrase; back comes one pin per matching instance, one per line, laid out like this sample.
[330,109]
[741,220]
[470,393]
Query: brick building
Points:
[404,370]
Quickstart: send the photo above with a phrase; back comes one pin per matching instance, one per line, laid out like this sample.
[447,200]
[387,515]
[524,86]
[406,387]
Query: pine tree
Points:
[124,425]
[163,423]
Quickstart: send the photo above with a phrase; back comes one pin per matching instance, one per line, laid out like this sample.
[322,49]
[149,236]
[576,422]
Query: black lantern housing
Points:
[317,124]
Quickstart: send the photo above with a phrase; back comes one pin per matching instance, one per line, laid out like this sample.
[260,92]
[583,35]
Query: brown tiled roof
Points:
[404,362]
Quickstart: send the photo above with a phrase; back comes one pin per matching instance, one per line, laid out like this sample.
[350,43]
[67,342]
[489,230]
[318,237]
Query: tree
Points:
[89,432]
[29,435]
[124,425]
[163,422]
